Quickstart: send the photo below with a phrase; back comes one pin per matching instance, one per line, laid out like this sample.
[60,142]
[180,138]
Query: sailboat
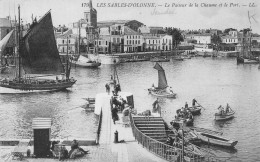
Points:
[38,61]
[245,56]
[163,90]
[4,56]
[82,60]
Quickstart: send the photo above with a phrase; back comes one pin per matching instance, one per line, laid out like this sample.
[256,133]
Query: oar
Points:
[200,106]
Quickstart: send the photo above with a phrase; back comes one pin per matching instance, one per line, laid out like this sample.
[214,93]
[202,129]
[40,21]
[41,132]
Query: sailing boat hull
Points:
[216,140]
[83,61]
[12,87]
[246,61]
[86,64]
[162,93]
[109,59]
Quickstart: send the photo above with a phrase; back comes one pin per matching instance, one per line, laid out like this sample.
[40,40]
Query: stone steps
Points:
[153,127]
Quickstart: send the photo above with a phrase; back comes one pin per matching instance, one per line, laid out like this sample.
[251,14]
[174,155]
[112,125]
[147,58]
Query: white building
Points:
[229,39]
[65,40]
[166,43]
[200,38]
[151,43]
[133,41]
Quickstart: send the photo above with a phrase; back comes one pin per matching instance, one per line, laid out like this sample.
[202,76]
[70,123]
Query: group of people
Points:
[174,141]
[60,150]
[225,110]
[118,104]
[184,113]
[116,89]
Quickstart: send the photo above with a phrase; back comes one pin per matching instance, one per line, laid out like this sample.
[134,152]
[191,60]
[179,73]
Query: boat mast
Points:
[67,55]
[19,40]
[250,36]
[79,38]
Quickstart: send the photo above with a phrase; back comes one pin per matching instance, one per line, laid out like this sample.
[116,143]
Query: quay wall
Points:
[67,142]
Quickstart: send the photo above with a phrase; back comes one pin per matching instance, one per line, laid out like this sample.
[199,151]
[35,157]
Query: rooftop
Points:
[129,31]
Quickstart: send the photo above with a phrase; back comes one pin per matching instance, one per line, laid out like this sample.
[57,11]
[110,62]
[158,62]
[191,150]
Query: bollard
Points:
[116,137]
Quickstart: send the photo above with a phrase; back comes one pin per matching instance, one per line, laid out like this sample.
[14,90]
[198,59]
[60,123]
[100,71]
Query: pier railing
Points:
[99,126]
[167,152]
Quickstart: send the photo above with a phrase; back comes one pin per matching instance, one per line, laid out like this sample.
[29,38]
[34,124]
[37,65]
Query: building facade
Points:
[166,43]
[133,41]
[151,43]
[200,38]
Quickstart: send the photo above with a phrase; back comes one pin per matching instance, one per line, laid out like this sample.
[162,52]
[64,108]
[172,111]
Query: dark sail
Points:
[39,51]
[162,82]
[4,43]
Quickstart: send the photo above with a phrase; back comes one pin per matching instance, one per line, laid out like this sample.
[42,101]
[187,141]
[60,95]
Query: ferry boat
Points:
[204,50]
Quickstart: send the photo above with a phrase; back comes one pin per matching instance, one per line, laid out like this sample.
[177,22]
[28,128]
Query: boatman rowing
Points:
[194,102]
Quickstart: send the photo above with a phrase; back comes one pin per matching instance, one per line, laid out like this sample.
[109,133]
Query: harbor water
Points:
[212,81]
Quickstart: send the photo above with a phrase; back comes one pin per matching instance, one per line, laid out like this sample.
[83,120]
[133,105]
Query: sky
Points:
[219,14]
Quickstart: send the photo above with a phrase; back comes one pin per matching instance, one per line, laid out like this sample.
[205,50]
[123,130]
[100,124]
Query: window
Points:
[106,42]
[138,41]
[133,42]
[149,41]
[99,42]
[118,40]
[69,41]
[153,41]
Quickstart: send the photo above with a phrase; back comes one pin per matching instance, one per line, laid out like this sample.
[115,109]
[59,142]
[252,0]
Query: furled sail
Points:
[39,52]
[3,44]
[162,82]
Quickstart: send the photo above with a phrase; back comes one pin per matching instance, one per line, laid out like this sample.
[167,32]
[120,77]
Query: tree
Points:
[216,40]
[176,35]
[226,31]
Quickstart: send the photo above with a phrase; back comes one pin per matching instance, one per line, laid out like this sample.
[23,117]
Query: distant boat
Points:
[204,50]
[38,59]
[178,121]
[216,139]
[245,56]
[83,61]
[163,90]
[195,110]
[224,116]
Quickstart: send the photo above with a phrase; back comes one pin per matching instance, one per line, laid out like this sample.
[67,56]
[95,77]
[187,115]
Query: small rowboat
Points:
[224,116]
[195,110]
[162,93]
[178,121]
[216,139]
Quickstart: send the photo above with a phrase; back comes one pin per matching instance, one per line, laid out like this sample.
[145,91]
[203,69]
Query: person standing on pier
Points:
[114,114]
[107,88]
[155,104]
